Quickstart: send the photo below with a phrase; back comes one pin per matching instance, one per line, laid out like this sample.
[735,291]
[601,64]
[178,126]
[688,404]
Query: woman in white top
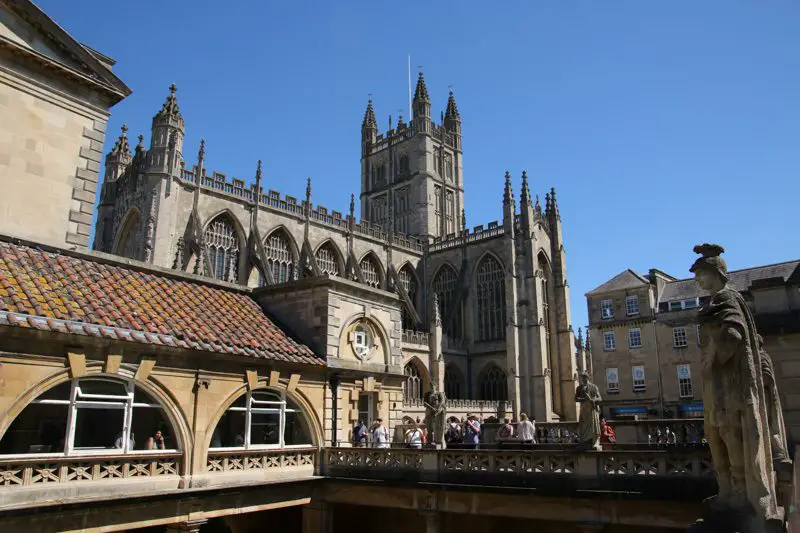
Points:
[414,437]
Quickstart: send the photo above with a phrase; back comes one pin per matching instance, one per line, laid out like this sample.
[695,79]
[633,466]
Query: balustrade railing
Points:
[685,473]
[39,471]
[249,460]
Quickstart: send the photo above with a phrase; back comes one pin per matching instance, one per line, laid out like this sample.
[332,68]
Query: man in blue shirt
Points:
[472,431]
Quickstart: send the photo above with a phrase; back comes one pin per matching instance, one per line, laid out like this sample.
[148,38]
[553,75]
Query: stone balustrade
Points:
[23,471]
[679,473]
[240,461]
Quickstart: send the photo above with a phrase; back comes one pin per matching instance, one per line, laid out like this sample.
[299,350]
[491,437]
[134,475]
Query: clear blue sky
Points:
[661,124]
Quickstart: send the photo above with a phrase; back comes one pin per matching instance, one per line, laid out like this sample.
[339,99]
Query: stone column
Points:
[433,521]
[189,526]
[317,517]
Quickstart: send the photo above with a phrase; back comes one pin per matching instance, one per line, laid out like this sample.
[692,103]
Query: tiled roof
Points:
[740,279]
[51,290]
[627,279]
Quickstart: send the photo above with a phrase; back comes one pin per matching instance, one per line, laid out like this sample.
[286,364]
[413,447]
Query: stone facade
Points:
[503,292]
[652,320]
[55,96]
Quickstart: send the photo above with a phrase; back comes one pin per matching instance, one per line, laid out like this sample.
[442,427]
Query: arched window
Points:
[494,386]
[90,415]
[491,300]
[371,271]
[445,287]
[412,387]
[222,249]
[328,259]
[409,283]
[261,419]
[279,257]
[129,238]
[453,383]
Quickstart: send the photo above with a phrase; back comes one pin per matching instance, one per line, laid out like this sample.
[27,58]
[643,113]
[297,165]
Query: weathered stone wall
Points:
[50,153]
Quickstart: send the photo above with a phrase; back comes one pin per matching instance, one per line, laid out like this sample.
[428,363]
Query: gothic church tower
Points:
[411,176]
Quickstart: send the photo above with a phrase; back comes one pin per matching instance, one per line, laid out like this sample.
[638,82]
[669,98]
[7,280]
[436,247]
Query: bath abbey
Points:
[501,288]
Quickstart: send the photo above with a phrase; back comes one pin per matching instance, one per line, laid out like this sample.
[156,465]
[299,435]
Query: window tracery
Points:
[222,249]
[280,259]
[327,259]
[445,286]
[370,270]
[491,300]
[494,386]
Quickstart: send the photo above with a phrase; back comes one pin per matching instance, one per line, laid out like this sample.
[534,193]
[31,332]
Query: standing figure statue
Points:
[739,410]
[435,416]
[588,395]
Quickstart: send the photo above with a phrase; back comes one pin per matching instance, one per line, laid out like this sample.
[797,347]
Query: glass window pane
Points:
[296,432]
[98,386]
[265,428]
[59,392]
[100,428]
[266,396]
[230,430]
[39,428]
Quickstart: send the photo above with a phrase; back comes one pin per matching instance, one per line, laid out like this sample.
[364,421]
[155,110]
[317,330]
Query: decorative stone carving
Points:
[588,396]
[436,416]
[743,420]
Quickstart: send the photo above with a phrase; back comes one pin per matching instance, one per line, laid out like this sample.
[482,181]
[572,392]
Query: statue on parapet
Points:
[743,421]
[436,416]
[588,396]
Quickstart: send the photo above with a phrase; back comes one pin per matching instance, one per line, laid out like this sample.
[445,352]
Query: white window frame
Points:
[632,299]
[606,305]
[255,406]
[679,333]
[630,338]
[639,385]
[80,400]
[685,385]
[612,386]
[609,347]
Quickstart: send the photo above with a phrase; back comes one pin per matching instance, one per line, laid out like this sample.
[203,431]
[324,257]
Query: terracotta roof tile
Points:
[57,292]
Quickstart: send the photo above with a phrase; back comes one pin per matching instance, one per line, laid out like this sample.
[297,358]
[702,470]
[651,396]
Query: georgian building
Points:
[645,342]
[502,290]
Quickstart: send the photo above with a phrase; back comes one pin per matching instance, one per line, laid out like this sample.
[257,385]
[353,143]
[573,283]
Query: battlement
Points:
[396,136]
[478,233]
[217,181]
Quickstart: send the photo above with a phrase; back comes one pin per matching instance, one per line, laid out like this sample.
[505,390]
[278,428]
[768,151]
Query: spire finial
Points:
[141,140]
[525,195]
[369,121]
[508,195]
[121,147]
[308,190]
[437,312]
[258,178]
[580,337]
[421,92]
[463,220]
[201,154]
[452,109]
[170,107]
[538,207]
[352,205]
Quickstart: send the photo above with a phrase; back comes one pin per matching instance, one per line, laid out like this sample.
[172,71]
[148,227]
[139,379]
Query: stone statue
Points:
[436,416]
[738,407]
[588,395]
